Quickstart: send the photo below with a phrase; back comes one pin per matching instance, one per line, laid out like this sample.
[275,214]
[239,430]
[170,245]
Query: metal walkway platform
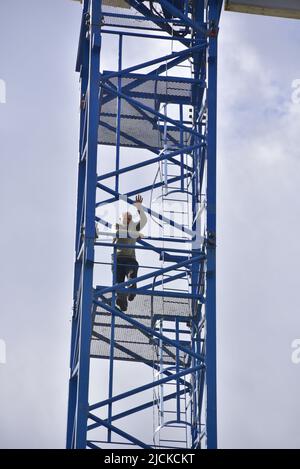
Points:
[132,344]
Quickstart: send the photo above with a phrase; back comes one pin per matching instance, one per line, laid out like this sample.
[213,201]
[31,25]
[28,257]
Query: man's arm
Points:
[143,219]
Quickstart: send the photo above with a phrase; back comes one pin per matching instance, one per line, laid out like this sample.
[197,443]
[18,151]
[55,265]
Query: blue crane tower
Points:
[148,74]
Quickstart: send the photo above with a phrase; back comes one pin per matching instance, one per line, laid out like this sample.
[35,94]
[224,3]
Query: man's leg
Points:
[121,300]
[132,273]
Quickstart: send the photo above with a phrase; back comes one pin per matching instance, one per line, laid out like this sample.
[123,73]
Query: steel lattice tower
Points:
[164,111]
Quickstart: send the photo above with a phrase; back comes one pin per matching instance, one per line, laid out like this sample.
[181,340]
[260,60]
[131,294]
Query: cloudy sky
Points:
[258,224]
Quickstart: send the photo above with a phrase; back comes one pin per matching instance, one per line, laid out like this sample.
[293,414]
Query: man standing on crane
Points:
[127,233]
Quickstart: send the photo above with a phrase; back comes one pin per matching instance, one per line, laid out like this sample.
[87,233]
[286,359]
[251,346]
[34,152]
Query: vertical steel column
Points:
[80,380]
[211,355]
[79,213]
[199,73]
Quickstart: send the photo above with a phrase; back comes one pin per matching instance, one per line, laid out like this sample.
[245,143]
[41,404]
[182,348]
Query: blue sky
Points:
[258,224]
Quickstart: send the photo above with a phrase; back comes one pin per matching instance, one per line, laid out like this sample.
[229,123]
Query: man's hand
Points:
[138,202]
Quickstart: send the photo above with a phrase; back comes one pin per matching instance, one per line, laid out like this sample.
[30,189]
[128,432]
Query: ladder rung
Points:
[172,412]
[173,211]
[183,66]
[172,199]
[175,426]
[174,441]
[170,384]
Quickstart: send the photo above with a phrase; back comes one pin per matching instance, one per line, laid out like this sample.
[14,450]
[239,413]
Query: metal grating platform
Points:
[125,17]
[140,128]
[131,344]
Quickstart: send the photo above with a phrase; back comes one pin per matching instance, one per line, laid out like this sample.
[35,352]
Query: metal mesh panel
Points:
[131,343]
[160,87]
[137,133]
[145,133]
[123,21]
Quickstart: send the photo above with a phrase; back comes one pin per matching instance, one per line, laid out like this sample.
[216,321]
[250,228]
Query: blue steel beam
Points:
[90,195]
[211,353]
[153,274]
[166,294]
[73,383]
[147,36]
[79,385]
[149,248]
